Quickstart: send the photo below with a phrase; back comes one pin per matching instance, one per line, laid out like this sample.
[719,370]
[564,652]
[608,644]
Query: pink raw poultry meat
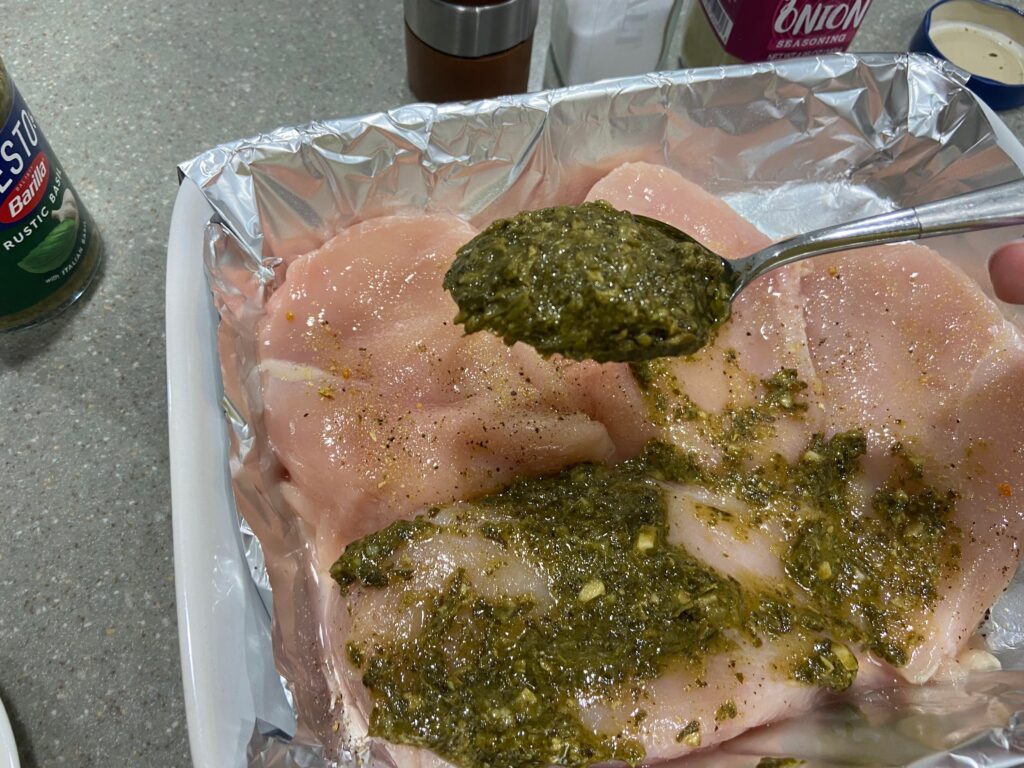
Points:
[378,407]
[894,340]
[906,347]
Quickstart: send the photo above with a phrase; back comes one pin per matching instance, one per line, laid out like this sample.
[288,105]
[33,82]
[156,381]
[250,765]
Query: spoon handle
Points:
[999,206]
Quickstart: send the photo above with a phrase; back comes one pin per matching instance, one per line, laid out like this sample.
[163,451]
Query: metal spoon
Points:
[594,282]
[999,206]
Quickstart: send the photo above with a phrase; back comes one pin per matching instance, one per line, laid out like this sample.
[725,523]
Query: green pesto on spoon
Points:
[593,282]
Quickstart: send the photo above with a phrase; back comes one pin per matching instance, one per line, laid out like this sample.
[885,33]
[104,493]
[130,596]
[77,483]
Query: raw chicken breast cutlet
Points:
[377,405]
[541,562]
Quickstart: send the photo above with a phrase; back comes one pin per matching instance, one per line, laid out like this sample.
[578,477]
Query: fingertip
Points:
[1006,270]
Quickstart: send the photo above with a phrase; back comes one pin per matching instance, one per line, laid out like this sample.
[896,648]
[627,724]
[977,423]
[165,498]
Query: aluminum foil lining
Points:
[790,145]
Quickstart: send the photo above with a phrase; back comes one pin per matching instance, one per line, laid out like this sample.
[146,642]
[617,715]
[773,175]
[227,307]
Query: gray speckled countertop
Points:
[89,666]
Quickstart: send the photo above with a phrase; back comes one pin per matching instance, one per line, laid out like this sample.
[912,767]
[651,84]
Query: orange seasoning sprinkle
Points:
[289,315]
[1005,490]
[346,373]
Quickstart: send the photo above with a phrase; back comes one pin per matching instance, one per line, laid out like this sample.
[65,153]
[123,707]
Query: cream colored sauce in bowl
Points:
[981,51]
[983,39]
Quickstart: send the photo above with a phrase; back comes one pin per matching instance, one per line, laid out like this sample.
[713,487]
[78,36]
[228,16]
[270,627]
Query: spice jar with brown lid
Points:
[473,49]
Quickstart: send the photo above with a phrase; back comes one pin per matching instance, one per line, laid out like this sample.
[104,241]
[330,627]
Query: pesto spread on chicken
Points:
[591,282]
[499,680]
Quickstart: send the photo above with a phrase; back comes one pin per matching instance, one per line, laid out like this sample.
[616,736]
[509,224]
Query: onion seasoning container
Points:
[733,31]
[49,248]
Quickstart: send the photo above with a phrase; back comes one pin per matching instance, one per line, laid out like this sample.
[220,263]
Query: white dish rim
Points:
[8,747]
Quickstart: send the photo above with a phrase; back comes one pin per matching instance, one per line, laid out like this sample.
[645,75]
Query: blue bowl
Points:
[980,13]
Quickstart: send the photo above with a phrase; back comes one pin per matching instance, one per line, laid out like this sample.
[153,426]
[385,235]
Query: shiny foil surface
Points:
[792,146]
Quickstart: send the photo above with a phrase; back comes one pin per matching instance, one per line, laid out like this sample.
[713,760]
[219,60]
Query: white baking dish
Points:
[230,684]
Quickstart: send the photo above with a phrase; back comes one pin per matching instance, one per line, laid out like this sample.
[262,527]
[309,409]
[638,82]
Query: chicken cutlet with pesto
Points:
[527,560]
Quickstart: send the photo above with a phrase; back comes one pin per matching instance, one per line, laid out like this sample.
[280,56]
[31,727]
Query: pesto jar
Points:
[49,247]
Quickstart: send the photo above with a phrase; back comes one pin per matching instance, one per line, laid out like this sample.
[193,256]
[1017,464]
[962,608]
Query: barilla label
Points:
[758,30]
[44,230]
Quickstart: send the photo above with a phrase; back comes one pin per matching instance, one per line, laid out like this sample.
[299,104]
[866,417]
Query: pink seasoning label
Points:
[756,30]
